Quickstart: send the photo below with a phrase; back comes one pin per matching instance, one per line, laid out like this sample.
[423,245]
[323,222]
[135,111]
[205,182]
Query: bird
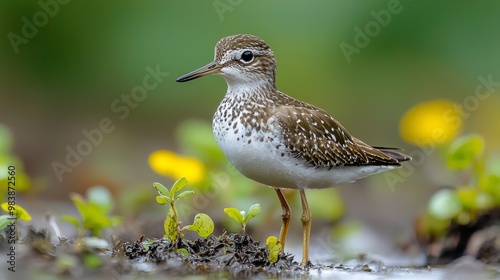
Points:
[279,141]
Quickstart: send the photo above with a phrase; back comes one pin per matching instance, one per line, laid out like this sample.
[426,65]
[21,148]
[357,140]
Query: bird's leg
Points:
[285,216]
[306,228]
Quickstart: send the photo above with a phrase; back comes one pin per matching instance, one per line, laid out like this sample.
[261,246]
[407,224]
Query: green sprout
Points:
[242,217]
[16,213]
[274,247]
[202,224]
[171,224]
[463,203]
[94,211]
[464,152]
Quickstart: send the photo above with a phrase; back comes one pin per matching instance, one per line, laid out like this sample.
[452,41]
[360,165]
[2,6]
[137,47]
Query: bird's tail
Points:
[394,153]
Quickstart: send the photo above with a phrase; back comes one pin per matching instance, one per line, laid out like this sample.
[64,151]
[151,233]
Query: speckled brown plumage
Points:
[278,140]
[309,133]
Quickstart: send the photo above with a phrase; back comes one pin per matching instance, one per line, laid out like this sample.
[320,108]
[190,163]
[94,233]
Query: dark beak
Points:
[203,71]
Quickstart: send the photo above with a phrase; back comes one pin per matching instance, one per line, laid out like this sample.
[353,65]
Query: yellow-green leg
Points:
[306,228]
[285,216]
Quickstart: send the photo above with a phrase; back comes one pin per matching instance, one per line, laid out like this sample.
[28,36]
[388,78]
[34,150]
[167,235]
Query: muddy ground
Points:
[229,256]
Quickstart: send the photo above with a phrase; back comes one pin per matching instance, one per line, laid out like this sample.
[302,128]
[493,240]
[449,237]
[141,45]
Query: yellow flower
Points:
[431,123]
[170,164]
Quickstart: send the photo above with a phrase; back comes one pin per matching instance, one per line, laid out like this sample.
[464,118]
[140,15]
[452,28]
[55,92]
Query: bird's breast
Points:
[246,135]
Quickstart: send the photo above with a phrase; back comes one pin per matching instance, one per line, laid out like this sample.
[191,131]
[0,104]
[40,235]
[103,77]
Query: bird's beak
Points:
[210,68]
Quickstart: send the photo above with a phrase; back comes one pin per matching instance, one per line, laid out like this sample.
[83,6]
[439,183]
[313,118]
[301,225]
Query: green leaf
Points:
[271,241]
[4,221]
[491,184]
[202,224]
[92,261]
[101,197]
[5,207]
[92,215]
[253,212]
[234,214]
[171,226]
[474,199]
[22,214]
[161,189]
[160,199]
[183,251]
[464,151]
[178,185]
[72,220]
[18,211]
[445,204]
[184,194]
[467,196]
[146,243]
[274,248]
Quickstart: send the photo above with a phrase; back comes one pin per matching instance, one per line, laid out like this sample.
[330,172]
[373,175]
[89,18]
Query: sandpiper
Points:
[280,141]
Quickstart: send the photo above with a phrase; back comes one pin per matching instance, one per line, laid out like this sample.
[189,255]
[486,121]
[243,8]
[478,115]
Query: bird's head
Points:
[243,60]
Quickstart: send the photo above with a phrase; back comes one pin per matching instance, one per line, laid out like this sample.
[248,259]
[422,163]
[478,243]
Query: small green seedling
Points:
[465,152]
[202,224]
[16,213]
[171,224]
[241,217]
[94,211]
[274,247]
[478,191]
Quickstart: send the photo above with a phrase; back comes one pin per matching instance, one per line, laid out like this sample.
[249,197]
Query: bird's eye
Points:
[247,56]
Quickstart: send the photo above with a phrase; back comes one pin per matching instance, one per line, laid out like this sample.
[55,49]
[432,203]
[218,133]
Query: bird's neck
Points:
[248,88]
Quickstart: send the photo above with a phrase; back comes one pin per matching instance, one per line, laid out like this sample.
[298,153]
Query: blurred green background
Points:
[65,77]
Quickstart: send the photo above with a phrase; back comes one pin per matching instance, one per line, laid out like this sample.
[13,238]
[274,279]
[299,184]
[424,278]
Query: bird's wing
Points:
[311,134]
